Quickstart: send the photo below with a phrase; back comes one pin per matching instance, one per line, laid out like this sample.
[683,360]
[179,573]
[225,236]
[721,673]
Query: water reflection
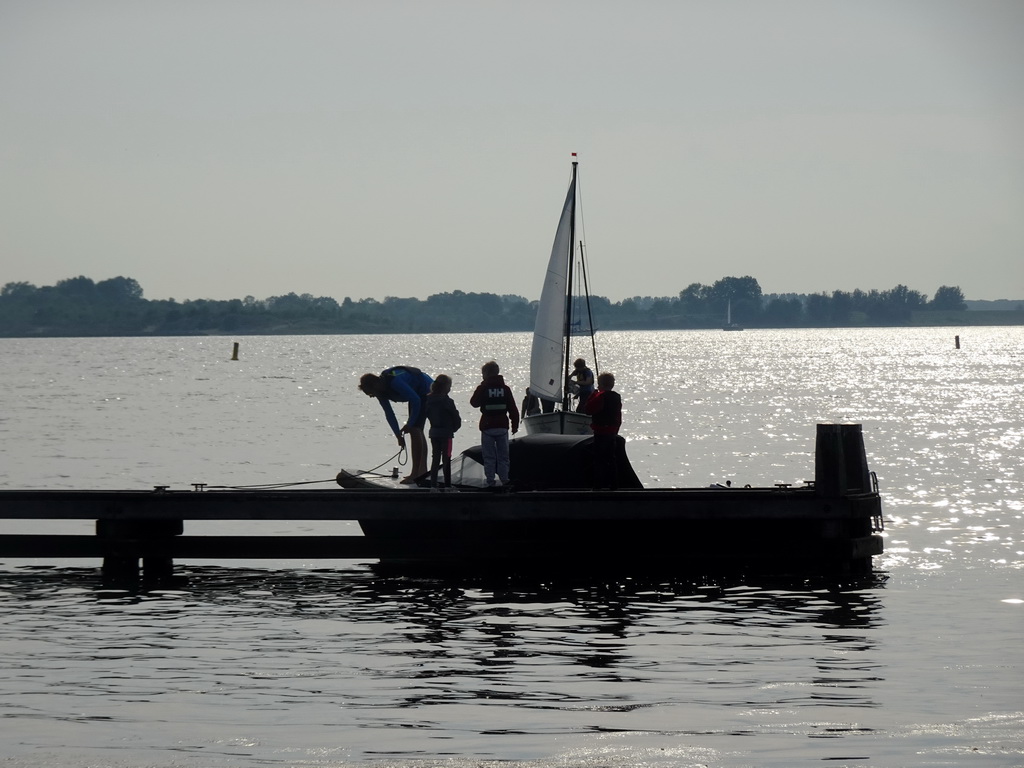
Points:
[439,602]
[413,642]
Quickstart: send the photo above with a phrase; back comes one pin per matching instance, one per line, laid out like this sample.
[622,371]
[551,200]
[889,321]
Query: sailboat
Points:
[729,324]
[557,325]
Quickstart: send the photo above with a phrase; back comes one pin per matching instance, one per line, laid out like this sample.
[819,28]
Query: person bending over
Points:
[403,384]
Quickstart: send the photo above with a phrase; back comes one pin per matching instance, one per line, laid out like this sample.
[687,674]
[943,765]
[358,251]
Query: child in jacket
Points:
[444,423]
[498,412]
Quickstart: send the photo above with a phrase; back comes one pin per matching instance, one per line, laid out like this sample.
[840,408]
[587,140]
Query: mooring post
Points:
[829,464]
[840,461]
[855,459]
[234,352]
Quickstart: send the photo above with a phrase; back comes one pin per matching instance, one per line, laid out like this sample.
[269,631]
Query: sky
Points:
[220,149]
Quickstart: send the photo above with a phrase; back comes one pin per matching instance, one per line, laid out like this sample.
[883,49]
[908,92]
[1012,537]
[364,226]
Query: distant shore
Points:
[80,307]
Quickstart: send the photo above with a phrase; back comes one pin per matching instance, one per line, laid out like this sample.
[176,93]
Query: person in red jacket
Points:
[498,411]
[605,409]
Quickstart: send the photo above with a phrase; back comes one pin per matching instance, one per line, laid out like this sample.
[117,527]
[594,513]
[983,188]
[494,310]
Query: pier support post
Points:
[131,541]
[120,572]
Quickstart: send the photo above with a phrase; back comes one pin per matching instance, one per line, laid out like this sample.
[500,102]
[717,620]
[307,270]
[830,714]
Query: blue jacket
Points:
[405,385]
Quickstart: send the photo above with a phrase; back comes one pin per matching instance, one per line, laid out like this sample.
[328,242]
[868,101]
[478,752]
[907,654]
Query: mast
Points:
[567,328]
[590,315]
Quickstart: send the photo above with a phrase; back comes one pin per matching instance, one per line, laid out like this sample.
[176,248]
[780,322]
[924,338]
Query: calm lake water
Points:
[323,663]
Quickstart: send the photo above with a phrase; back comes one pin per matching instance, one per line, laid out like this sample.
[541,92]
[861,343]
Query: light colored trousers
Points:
[494,446]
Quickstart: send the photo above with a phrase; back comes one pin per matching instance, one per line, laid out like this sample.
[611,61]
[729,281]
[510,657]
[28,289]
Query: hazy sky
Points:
[218,149]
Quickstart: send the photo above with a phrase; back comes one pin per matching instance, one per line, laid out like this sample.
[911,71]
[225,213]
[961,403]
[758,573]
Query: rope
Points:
[402,456]
[265,485]
[403,459]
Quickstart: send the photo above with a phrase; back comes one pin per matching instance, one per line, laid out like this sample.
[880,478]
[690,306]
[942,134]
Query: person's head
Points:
[606,381]
[490,369]
[580,363]
[442,385]
[370,383]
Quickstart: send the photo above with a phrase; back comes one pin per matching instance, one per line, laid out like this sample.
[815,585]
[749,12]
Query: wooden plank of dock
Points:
[647,504]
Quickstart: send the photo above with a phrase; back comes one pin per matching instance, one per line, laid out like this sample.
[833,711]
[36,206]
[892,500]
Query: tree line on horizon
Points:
[79,306]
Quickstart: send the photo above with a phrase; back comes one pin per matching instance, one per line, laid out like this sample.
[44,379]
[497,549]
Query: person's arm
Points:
[477,397]
[389,414]
[513,412]
[403,391]
[456,418]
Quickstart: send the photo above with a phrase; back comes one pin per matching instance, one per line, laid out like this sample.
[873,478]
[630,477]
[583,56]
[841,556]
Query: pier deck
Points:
[830,525]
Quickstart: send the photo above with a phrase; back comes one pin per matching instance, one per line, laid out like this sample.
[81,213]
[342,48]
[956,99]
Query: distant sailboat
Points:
[729,324]
[551,358]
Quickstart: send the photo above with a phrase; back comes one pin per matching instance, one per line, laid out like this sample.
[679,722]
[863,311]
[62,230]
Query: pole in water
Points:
[957,340]
[234,352]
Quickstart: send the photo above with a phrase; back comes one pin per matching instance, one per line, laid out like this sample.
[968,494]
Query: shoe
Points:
[435,489]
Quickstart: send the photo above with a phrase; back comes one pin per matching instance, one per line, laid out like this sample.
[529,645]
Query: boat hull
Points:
[557,423]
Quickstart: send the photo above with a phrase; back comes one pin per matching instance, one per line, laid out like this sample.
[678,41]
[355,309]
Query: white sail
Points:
[547,357]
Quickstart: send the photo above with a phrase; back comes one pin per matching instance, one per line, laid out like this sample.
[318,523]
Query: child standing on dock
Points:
[498,412]
[444,423]
[605,409]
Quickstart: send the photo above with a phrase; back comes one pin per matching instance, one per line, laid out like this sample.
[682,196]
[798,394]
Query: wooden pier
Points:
[830,525]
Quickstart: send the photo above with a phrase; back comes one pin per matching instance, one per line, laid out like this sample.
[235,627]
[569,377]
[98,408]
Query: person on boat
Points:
[532,405]
[444,423]
[583,384]
[498,412]
[403,384]
[605,409]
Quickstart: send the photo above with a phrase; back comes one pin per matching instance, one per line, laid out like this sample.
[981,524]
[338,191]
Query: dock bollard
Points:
[957,340]
[840,461]
[234,352]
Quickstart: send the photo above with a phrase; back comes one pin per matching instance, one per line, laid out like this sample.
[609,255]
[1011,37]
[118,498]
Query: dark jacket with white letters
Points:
[497,404]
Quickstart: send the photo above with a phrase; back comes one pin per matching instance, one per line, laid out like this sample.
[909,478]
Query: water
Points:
[320,663]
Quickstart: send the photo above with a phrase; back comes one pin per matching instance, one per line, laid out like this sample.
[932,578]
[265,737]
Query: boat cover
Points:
[545,462]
